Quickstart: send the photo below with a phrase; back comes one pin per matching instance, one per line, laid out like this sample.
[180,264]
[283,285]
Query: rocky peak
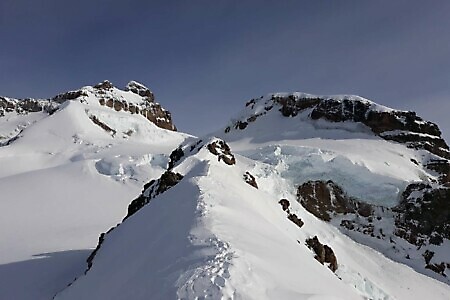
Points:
[106,95]
[394,125]
[105,85]
[140,89]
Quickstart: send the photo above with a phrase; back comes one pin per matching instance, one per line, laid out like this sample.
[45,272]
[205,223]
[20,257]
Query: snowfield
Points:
[63,182]
[215,236]
[220,231]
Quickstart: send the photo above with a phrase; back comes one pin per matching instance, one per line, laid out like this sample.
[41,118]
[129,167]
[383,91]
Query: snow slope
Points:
[214,236]
[62,182]
[210,223]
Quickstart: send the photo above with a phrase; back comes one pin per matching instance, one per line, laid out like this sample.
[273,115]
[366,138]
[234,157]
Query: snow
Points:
[214,236]
[372,169]
[63,182]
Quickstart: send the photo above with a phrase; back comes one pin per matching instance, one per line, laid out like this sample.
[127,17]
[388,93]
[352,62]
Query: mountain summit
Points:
[299,197]
[135,99]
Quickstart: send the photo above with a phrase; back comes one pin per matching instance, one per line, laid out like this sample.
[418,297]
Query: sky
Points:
[204,59]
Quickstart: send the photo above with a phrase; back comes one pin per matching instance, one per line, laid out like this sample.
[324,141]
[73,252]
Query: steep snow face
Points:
[402,181]
[214,235]
[348,152]
[64,178]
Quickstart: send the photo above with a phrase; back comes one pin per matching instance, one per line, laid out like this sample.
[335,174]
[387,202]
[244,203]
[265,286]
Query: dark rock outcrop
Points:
[250,179]
[399,126]
[140,90]
[175,156]
[107,96]
[422,218]
[222,151]
[105,85]
[25,106]
[326,199]
[102,125]
[72,95]
[152,189]
[324,254]
[291,216]
[423,215]
[284,204]
[296,220]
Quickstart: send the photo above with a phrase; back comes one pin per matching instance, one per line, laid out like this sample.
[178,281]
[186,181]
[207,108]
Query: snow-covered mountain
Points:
[69,167]
[299,197]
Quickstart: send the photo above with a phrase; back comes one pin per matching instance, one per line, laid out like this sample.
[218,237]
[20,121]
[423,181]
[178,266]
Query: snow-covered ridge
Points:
[212,234]
[300,198]
[339,110]
[134,99]
[384,159]
[69,167]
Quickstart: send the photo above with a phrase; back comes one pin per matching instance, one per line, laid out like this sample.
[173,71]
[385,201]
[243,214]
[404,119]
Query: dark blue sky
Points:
[204,59]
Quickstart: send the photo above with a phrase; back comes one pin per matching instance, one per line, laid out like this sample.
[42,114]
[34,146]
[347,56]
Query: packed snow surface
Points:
[63,181]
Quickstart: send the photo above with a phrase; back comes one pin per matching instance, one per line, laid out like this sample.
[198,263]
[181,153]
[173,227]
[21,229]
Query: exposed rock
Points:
[222,151]
[90,259]
[175,156]
[105,85]
[400,126]
[422,218]
[284,204]
[428,255]
[72,95]
[423,214]
[325,199]
[25,106]
[107,96]
[296,220]
[102,125]
[339,111]
[442,167]
[152,189]
[292,105]
[198,145]
[250,179]
[437,268]
[324,254]
[140,89]
[240,125]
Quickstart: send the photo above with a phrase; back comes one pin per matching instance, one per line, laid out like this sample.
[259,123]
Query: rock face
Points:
[291,216]
[222,151]
[324,254]
[421,219]
[153,189]
[108,96]
[250,179]
[136,99]
[423,215]
[25,106]
[325,199]
[399,126]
